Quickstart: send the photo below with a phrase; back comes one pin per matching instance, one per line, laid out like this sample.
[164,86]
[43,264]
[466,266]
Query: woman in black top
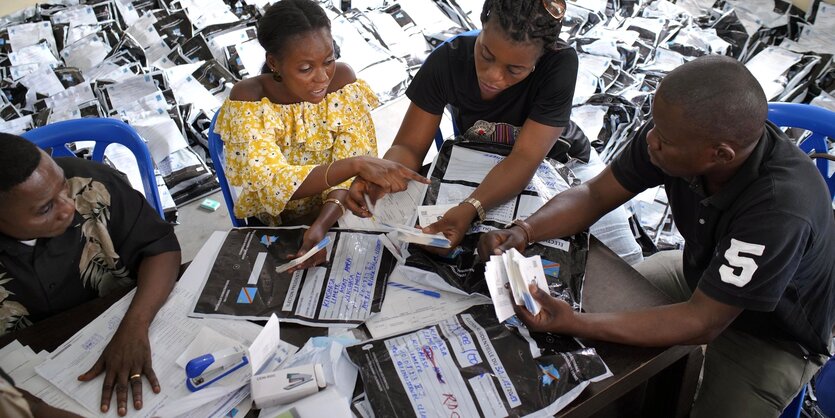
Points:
[516,71]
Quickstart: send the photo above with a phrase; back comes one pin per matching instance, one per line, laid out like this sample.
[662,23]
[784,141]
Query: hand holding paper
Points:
[508,277]
[416,236]
[295,262]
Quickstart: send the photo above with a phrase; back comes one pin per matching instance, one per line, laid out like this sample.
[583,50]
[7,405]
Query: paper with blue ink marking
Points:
[472,365]
[249,278]
[507,277]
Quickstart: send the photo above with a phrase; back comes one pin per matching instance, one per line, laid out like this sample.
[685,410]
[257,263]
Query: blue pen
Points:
[415,289]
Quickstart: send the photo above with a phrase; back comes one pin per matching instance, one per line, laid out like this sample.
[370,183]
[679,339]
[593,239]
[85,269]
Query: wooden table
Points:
[611,285]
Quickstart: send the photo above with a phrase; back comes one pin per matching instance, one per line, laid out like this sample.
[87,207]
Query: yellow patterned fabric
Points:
[271,148]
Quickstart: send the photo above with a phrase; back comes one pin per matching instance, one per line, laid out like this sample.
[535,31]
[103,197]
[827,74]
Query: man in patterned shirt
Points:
[72,230]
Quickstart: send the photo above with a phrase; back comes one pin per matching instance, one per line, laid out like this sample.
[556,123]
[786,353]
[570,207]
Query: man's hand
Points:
[124,361]
[312,236]
[497,242]
[555,314]
[454,225]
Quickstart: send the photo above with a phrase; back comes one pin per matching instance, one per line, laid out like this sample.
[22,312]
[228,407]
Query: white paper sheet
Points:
[143,30]
[394,209]
[27,34]
[20,362]
[251,55]
[189,90]
[170,333]
[589,118]
[162,134]
[405,310]
[40,53]
[86,53]
[128,12]
[769,66]
[265,345]
[43,81]
[122,95]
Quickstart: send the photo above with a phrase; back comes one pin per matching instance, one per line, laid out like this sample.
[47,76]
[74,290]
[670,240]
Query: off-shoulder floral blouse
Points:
[271,148]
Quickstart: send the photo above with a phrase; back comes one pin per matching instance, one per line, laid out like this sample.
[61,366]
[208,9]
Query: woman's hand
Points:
[356,202]
[312,236]
[124,361]
[389,176]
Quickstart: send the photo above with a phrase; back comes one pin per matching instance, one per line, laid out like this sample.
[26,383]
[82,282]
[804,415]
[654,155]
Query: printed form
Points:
[170,335]
[471,166]
[430,370]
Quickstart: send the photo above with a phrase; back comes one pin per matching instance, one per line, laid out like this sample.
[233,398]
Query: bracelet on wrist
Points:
[337,202]
[527,229]
[327,183]
[479,209]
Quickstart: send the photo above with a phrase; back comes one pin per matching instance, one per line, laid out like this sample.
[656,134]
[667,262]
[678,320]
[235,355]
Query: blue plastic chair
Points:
[103,132]
[825,388]
[439,136]
[216,152]
[824,391]
[793,408]
[819,121]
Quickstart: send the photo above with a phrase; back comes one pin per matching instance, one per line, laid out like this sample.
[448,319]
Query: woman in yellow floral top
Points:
[296,135]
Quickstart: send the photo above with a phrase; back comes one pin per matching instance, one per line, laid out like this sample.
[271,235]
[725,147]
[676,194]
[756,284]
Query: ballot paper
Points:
[416,236]
[321,245]
[251,54]
[429,214]
[508,276]
[393,208]
[343,292]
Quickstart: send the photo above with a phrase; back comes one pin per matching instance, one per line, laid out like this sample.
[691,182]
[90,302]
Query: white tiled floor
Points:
[197,224]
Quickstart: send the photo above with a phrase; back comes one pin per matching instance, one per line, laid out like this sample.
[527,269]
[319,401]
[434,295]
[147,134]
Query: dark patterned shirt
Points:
[113,230]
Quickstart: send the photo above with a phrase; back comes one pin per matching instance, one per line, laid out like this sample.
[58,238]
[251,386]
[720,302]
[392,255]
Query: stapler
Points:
[204,370]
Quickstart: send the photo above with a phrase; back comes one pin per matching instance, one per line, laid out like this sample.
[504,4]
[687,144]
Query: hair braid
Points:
[523,21]
[287,18]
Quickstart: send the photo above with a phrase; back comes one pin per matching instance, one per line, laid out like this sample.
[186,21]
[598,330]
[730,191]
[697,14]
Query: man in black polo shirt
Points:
[72,230]
[756,280]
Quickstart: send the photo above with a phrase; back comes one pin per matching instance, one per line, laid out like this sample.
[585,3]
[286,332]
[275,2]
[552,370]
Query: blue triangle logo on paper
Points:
[549,374]
[268,240]
[551,268]
[247,295]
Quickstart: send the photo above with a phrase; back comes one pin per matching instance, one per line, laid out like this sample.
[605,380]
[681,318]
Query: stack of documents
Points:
[508,276]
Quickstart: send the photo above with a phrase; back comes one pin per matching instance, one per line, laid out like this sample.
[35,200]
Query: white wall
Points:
[11,6]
